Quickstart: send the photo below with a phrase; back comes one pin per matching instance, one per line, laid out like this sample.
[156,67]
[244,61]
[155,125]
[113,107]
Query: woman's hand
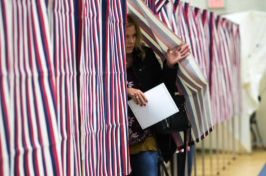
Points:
[137,95]
[176,55]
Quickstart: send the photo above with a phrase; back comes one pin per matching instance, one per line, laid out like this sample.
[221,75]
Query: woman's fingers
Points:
[140,98]
[184,56]
[137,95]
[176,49]
[180,46]
[145,98]
[135,99]
[185,51]
[184,48]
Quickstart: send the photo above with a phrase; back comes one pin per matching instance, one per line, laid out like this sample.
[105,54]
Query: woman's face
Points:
[130,39]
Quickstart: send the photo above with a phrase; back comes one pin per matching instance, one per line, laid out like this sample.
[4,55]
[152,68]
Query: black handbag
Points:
[162,130]
[176,122]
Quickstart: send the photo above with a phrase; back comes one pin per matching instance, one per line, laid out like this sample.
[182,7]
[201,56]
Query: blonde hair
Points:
[139,44]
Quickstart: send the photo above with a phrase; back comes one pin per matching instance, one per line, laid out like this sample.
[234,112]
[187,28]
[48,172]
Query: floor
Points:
[243,165]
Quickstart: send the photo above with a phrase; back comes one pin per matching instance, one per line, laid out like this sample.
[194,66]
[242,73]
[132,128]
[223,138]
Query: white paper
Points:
[160,106]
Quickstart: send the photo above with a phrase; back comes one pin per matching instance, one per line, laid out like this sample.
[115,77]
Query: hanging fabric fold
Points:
[190,80]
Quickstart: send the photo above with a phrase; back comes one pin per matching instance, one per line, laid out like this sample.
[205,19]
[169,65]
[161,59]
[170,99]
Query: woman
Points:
[143,73]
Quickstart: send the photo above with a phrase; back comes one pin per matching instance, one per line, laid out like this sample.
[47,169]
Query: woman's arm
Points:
[167,75]
[170,66]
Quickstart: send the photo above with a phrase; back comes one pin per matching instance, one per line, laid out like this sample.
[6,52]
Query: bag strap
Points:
[182,159]
[160,157]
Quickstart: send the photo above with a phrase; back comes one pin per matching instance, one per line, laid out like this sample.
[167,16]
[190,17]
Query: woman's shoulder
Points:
[147,49]
[147,52]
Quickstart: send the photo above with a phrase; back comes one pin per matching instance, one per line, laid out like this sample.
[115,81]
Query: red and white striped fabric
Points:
[206,28]
[237,69]
[64,42]
[103,98]
[226,67]
[181,25]
[39,112]
[167,16]
[6,123]
[203,43]
[220,79]
[238,104]
[39,125]
[207,36]
[199,46]
[159,4]
[190,80]
[187,27]
[30,140]
[215,79]
[151,5]
[155,5]
[193,33]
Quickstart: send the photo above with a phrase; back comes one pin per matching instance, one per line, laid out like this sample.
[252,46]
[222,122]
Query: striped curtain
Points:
[214,72]
[64,37]
[214,51]
[203,43]
[190,80]
[30,140]
[159,5]
[189,30]
[181,25]
[151,5]
[226,68]
[237,100]
[6,123]
[217,82]
[103,99]
[207,36]
[39,112]
[167,16]
[62,71]
[193,33]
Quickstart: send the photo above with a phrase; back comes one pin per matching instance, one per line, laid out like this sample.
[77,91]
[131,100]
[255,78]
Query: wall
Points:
[231,6]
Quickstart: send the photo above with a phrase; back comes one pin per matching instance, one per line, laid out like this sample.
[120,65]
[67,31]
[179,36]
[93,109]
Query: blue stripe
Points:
[26,108]
[4,116]
[122,30]
[15,127]
[6,41]
[46,109]
[50,73]
[29,125]
[37,119]
[176,3]
[68,136]
[210,51]
[5,124]
[106,88]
